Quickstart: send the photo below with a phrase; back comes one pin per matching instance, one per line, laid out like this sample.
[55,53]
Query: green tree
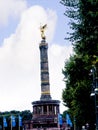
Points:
[26,115]
[84,37]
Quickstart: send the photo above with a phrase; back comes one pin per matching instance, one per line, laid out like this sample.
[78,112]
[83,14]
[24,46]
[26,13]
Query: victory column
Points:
[45,110]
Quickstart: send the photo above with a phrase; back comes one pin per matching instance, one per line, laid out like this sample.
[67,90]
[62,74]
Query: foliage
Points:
[84,37]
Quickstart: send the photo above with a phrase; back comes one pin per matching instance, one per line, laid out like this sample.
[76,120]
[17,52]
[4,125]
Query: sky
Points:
[20,22]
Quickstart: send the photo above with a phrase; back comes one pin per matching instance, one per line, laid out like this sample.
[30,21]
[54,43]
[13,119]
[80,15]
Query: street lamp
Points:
[95,92]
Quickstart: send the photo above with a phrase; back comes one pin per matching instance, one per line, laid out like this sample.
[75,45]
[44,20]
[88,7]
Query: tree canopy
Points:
[83,15]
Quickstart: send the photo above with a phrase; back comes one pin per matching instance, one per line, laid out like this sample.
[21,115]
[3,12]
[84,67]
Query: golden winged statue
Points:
[42,29]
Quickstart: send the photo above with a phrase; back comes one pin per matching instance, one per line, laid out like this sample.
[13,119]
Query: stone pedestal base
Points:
[45,113]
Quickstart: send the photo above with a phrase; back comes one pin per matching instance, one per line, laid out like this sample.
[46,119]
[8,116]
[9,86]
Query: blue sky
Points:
[62,22]
[19,51]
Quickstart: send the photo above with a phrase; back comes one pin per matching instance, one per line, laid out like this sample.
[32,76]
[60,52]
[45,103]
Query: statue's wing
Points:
[44,26]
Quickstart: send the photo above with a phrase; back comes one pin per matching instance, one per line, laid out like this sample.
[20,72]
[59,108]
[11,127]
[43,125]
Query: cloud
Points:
[11,8]
[57,56]
[20,61]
